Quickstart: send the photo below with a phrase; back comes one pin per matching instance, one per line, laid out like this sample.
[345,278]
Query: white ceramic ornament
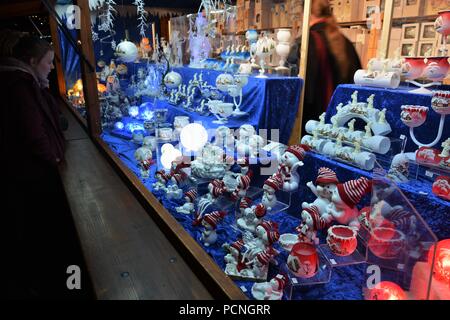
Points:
[143,156]
[290,162]
[326,182]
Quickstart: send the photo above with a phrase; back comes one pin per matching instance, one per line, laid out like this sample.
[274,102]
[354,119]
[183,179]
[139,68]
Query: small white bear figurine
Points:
[326,182]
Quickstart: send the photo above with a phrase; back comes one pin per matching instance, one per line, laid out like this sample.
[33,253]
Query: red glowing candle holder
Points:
[386,242]
[342,240]
[386,290]
[303,260]
[441,267]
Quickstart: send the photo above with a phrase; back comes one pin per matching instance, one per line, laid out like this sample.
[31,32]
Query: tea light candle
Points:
[165,134]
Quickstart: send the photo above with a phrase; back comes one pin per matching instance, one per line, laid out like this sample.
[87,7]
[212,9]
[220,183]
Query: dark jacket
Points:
[316,101]
[31,138]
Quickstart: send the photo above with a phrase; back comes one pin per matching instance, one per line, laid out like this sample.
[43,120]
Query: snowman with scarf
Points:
[291,159]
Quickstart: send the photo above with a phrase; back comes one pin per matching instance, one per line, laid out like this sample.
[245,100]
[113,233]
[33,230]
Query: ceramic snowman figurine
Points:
[251,218]
[259,265]
[272,290]
[290,161]
[210,221]
[245,203]
[188,207]
[143,156]
[344,200]
[312,222]
[161,180]
[233,258]
[271,186]
[243,184]
[173,192]
[326,183]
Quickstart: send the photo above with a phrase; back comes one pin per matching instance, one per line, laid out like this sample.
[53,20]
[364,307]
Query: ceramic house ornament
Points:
[210,221]
[326,183]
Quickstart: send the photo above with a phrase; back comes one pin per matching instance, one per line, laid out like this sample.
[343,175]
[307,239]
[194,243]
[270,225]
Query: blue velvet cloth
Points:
[392,100]
[271,103]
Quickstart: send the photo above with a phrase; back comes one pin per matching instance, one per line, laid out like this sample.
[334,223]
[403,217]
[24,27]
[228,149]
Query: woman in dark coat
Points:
[32,146]
[332,60]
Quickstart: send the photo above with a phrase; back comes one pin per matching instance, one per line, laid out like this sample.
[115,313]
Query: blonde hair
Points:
[336,40]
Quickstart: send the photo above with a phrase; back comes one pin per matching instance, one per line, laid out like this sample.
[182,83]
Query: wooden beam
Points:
[297,130]
[386,29]
[88,76]
[58,58]
[20,9]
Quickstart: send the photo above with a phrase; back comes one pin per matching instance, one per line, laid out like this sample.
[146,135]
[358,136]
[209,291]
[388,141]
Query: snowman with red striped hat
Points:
[344,200]
[188,207]
[326,183]
[210,222]
[291,160]
[312,222]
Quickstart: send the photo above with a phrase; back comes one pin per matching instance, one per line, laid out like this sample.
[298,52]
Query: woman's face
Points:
[45,65]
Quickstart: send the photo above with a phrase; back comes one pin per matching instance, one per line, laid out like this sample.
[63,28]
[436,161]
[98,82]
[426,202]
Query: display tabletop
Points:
[271,103]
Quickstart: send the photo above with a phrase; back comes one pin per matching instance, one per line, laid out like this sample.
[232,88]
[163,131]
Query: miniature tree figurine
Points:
[322,118]
[339,107]
[339,140]
[382,116]
[446,148]
[370,102]
[368,130]
[355,98]
[351,125]
[334,122]
[357,144]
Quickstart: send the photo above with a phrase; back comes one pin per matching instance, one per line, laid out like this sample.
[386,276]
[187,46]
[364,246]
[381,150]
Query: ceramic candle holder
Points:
[413,67]
[386,242]
[303,260]
[165,134]
[413,116]
[440,102]
[342,240]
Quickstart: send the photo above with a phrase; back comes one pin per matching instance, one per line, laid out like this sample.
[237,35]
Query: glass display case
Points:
[199,123]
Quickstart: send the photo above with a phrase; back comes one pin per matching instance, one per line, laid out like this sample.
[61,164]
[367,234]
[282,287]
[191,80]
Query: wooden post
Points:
[297,130]
[386,31]
[88,75]
[58,58]
[154,36]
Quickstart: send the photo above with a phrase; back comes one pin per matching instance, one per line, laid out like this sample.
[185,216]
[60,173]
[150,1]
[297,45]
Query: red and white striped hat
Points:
[274,182]
[245,203]
[217,183]
[264,256]
[179,177]
[260,210]
[281,281]
[191,195]
[269,225]
[273,236]
[318,222]
[326,175]
[214,217]
[238,245]
[352,191]
[217,191]
[244,182]
[298,150]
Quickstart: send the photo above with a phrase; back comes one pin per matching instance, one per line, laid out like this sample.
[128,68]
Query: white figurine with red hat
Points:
[143,156]
[210,221]
[271,290]
[312,222]
[344,200]
[258,266]
[271,186]
[233,257]
[244,203]
[326,182]
[252,217]
[188,207]
[291,159]
[161,180]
